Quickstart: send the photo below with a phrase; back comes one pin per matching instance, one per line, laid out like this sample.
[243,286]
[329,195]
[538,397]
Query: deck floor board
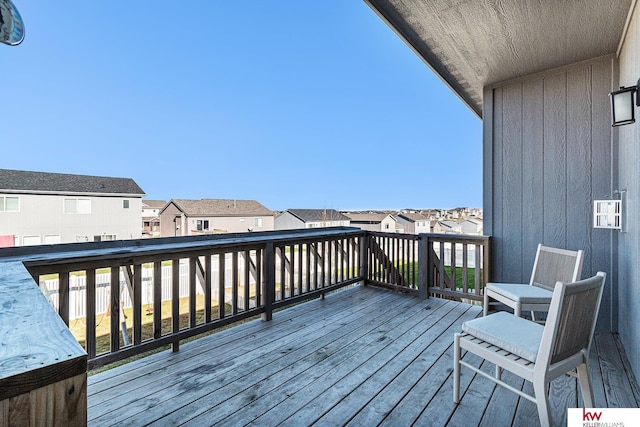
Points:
[362,356]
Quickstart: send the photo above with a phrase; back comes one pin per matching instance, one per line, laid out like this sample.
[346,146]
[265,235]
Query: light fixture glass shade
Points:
[622,106]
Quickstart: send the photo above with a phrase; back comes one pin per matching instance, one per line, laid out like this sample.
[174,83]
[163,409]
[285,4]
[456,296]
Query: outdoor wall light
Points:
[622,105]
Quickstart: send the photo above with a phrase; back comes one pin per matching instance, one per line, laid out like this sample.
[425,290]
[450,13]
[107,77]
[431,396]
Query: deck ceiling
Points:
[473,43]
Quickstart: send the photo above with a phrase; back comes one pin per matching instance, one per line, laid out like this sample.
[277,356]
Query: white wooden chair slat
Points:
[550,266]
[563,347]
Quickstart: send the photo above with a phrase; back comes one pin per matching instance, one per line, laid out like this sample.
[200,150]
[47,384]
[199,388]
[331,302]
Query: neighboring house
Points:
[392,224]
[151,217]
[367,221]
[47,208]
[182,217]
[414,223]
[449,227]
[471,226]
[310,218]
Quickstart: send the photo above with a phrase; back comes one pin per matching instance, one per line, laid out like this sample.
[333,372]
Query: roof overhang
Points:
[471,44]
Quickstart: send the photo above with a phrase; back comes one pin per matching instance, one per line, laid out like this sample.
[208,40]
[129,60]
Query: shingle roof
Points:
[413,217]
[360,217]
[27,181]
[221,207]
[308,215]
[159,204]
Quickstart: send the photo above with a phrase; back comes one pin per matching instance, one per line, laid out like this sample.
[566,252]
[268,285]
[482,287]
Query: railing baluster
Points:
[221,285]
[207,288]
[90,333]
[175,301]
[270,281]
[192,292]
[63,296]
[299,248]
[320,264]
[246,280]
[234,282]
[424,266]
[259,276]
[157,299]
[477,275]
[137,304]
[310,268]
[454,285]
[465,273]
[115,308]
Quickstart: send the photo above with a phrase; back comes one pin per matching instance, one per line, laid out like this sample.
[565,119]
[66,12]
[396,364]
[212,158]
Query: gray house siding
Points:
[287,221]
[628,143]
[42,219]
[547,156]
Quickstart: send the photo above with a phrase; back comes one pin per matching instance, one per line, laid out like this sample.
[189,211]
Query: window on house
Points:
[9,204]
[386,226]
[77,206]
[31,240]
[104,237]
[202,225]
[257,222]
[125,204]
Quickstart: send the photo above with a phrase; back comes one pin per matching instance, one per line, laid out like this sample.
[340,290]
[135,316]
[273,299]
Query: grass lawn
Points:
[103,323]
[411,274]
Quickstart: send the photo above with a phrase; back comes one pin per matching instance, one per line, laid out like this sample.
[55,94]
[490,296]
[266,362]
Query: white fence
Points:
[78,288]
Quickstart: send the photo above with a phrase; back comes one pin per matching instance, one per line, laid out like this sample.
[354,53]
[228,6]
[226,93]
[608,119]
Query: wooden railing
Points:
[120,299]
[444,265]
[172,289]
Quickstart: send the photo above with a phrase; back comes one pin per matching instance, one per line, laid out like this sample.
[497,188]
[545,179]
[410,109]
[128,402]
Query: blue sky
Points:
[293,103]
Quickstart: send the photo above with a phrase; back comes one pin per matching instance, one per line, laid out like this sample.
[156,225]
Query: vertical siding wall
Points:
[628,175]
[548,155]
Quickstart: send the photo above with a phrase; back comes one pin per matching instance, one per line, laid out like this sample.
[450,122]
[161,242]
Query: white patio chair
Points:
[537,353]
[550,265]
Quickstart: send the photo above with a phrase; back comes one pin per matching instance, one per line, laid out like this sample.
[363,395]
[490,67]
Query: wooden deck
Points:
[362,357]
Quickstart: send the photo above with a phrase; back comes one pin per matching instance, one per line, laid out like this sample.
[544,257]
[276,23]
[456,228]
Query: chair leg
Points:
[585,385]
[485,307]
[517,310]
[541,391]
[456,368]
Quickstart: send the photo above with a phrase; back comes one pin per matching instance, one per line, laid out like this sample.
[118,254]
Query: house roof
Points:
[221,207]
[366,217]
[316,215]
[158,204]
[46,182]
[470,44]
[413,217]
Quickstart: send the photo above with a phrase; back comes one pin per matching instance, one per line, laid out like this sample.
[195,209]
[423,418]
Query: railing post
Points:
[486,262]
[423,265]
[270,280]
[364,257]
[175,302]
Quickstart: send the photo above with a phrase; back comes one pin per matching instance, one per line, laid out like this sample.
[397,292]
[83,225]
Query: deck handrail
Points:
[410,263]
[215,280]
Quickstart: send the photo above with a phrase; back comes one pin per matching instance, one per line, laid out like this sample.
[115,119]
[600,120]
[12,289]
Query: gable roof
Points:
[47,182]
[318,215]
[413,217]
[470,44]
[366,217]
[221,207]
[157,204]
